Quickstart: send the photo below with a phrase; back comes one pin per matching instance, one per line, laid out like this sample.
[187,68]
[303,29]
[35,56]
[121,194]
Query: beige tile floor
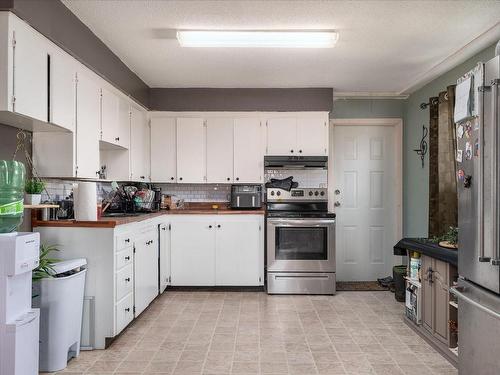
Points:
[253,333]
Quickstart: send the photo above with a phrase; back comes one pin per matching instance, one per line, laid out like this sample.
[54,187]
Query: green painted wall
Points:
[415,178]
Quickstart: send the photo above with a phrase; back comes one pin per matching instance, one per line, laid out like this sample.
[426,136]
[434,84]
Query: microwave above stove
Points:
[246,196]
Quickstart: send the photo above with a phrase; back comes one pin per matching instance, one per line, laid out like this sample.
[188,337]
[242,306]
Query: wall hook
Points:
[423,145]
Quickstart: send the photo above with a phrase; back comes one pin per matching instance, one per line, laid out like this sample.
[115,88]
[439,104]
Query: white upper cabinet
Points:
[220,150]
[299,135]
[139,145]
[29,71]
[62,88]
[87,124]
[123,123]
[248,150]
[312,136]
[191,166]
[163,150]
[110,107]
[282,136]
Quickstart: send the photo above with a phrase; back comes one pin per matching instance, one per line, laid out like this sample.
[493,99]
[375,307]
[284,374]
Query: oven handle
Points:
[300,222]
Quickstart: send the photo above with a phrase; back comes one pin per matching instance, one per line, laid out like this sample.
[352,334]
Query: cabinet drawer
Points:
[124,282]
[124,257]
[124,312]
[123,240]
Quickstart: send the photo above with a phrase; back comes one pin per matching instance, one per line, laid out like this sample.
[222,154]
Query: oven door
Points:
[300,245]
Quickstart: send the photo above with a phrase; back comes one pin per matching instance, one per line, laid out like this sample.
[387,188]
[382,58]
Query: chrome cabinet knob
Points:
[337,192]
[336,204]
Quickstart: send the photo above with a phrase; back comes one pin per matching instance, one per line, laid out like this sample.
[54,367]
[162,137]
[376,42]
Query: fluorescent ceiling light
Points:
[257,39]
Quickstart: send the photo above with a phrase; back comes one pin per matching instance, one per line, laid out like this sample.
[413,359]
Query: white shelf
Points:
[454,304]
[454,351]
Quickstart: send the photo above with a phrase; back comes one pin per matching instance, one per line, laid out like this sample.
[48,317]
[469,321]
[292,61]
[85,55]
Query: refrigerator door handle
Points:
[458,291]
[481,258]
[494,159]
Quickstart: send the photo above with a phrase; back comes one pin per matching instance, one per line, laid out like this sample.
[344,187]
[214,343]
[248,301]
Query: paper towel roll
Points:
[85,201]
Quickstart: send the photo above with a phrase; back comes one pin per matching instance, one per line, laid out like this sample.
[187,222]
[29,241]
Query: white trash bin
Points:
[60,300]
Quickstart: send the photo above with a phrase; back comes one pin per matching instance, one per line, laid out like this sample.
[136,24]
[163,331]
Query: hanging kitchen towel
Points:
[85,201]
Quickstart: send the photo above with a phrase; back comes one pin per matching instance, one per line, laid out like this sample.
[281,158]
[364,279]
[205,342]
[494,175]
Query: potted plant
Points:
[33,189]
[45,266]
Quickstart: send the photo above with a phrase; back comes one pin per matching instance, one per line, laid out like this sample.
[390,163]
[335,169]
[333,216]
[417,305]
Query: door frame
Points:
[397,124]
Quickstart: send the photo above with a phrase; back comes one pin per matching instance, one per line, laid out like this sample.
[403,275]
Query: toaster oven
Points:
[246,196]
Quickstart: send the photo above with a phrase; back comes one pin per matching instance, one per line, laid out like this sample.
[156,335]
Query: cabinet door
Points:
[191,167]
[164,256]
[282,136]
[427,293]
[220,150]
[145,270]
[163,150]
[109,116]
[248,150]
[30,71]
[193,252]
[123,123]
[139,145]
[62,89]
[238,249]
[441,301]
[312,136]
[87,125]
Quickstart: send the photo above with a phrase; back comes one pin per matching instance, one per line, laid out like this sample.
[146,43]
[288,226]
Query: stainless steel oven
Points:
[300,242]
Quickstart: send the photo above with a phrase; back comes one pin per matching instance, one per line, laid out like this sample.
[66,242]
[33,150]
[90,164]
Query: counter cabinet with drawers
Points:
[129,265]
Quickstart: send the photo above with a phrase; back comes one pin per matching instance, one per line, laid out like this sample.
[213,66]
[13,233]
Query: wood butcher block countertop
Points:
[111,222]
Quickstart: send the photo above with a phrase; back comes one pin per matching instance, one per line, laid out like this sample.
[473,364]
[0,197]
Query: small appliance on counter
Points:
[246,196]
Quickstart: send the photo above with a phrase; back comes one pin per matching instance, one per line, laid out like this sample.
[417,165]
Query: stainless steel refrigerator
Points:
[478,173]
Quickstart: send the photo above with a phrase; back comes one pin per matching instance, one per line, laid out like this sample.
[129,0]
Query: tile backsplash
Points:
[60,189]
[312,178]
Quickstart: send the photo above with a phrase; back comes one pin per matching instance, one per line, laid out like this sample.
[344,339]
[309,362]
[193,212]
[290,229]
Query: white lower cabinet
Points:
[237,255]
[146,269]
[209,250]
[164,238]
[125,263]
[193,250]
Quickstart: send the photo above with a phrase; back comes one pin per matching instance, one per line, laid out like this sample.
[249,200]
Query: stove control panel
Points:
[307,194]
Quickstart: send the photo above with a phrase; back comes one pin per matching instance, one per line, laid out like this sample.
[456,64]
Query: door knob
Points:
[337,192]
[336,204]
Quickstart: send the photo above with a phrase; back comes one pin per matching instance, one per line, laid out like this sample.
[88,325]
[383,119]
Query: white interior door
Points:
[365,190]
[220,150]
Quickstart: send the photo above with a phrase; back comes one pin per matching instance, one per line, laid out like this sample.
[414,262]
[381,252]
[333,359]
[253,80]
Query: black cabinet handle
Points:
[291,151]
[172,178]
[300,151]
[228,179]
[117,138]
[142,177]
[209,227]
[218,225]
[127,309]
[180,178]
[127,240]
[237,178]
[127,279]
[127,258]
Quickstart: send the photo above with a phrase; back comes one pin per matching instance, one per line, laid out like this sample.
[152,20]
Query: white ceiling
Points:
[387,47]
